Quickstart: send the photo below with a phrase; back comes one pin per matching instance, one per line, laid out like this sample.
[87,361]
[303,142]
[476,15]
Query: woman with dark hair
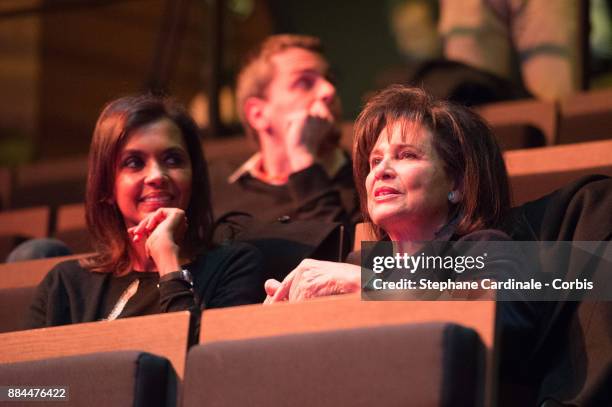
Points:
[425,170]
[149,215]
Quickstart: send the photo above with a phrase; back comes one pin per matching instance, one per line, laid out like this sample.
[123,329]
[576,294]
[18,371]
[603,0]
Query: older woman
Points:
[425,170]
[148,212]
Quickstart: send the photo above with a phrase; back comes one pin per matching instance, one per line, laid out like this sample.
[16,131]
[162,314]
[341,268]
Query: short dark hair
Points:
[106,226]
[461,138]
[257,70]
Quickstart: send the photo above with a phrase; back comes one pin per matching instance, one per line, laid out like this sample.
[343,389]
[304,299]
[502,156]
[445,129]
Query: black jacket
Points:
[226,276]
[571,357]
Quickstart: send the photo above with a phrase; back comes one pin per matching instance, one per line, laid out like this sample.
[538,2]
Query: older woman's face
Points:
[153,171]
[407,185]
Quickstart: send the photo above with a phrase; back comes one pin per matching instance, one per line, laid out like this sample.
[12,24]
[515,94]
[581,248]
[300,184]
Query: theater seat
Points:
[528,122]
[586,116]
[128,378]
[14,305]
[432,364]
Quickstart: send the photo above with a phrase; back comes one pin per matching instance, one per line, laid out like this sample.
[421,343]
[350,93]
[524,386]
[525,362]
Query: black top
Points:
[309,194]
[516,318]
[288,222]
[228,275]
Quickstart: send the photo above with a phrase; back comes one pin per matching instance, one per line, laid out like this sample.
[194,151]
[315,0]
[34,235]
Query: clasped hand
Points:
[162,232]
[314,278]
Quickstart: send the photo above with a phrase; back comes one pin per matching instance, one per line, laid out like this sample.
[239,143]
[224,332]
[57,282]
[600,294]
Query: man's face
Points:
[300,84]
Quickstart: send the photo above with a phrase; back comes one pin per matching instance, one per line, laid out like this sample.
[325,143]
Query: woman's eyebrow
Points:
[176,149]
[130,151]
[416,147]
[374,152]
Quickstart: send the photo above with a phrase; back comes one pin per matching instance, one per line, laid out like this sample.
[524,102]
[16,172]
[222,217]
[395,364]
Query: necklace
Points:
[123,299]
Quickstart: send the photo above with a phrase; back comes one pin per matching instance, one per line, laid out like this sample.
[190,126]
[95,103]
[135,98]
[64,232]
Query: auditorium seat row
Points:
[531,123]
[582,117]
[335,351]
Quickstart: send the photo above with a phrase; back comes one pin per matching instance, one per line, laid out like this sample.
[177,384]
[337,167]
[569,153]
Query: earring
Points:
[451,197]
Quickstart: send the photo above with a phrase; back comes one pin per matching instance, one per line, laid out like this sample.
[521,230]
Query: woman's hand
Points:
[314,278]
[162,232]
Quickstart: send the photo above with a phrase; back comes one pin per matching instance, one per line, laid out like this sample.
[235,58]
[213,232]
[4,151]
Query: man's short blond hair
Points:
[258,70]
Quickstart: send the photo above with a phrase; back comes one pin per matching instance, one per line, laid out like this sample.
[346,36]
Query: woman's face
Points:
[407,185]
[153,171]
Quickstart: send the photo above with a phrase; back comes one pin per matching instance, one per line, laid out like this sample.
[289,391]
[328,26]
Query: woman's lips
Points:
[384,193]
[157,199]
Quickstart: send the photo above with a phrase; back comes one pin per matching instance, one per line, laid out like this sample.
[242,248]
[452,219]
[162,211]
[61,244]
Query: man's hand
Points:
[314,278]
[305,132]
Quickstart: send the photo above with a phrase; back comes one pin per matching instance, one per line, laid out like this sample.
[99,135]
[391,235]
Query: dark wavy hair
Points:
[106,225]
[461,138]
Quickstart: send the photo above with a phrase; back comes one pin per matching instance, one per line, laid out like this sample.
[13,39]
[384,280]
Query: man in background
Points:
[293,193]
[289,108]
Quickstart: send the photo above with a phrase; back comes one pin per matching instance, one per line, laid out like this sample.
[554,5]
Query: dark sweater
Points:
[226,276]
[288,222]
[309,194]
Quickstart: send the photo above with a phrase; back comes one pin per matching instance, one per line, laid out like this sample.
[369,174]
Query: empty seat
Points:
[522,123]
[29,222]
[586,116]
[14,305]
[161,334]
[432,364]
[18,225]
[128,378]
[538,171]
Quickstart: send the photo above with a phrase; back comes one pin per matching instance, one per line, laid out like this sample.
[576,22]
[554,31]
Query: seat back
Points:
[521,114]
[538,171]
[128,378]
[28,222]
[70,217]
[431,364]
[348,312]
[29,273]
[18,225]
[14,305]
[162,334]
[71,228]
[342,312]
[586,116]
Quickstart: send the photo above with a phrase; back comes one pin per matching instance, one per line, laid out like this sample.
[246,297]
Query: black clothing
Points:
[454,81]
[289,222]
[570,359]
[517,319]
[578,211]
[309,194]
[226,276]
